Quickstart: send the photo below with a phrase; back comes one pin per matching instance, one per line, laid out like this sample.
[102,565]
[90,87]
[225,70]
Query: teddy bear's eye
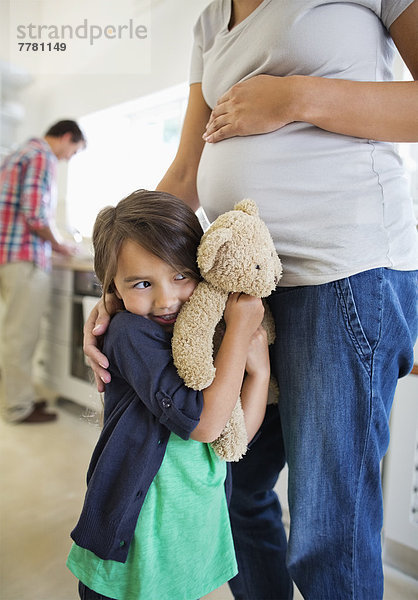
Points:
[257,266]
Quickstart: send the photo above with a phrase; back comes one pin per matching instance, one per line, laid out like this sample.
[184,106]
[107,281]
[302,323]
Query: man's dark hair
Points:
[67,126]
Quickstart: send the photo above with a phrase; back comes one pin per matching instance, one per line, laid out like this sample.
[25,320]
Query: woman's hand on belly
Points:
[258,105]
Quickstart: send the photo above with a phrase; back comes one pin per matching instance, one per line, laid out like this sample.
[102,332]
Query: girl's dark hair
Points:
[159,222]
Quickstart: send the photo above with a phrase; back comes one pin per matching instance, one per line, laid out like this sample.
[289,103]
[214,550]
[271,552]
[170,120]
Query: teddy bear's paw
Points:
[231,445]
[268,324]
[229,449]
[273,391]
[197,381]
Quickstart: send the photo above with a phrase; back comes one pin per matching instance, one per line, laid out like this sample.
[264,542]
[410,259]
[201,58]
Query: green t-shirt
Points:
[182,548]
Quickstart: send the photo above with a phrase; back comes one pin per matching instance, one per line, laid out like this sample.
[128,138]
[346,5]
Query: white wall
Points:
[50,98]
[53,97]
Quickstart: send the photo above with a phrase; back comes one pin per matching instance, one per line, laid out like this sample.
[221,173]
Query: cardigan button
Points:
[122,543]
[166,403]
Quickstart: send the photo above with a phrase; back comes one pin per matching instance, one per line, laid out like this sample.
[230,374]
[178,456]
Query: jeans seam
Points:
[350,330]
[374,349]
[360,474]
[367,438]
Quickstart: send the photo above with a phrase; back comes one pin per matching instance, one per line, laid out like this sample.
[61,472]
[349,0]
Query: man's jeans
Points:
[24,293]
[339,350]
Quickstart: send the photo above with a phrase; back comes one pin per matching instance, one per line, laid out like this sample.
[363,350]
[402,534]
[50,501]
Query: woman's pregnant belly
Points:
[317,191]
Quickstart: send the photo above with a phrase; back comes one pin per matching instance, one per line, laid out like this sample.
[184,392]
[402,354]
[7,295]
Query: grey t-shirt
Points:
[336,205]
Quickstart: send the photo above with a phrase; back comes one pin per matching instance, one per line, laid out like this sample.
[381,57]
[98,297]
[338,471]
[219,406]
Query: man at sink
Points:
[27,236]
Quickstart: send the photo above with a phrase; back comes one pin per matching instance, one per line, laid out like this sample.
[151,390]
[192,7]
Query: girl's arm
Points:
[243,315]
[384,111]
[180,178]
[254,391]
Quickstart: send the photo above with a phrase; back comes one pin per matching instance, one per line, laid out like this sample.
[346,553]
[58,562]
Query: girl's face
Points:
[149,286]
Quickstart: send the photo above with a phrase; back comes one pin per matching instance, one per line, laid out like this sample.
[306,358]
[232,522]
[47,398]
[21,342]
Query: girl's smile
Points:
[150,287]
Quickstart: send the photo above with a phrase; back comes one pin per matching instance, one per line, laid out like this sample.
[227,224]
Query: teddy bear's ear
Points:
[248,206]
[211,242]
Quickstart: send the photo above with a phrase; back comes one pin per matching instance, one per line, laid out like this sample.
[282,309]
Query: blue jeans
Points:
[339,350]
[86,593]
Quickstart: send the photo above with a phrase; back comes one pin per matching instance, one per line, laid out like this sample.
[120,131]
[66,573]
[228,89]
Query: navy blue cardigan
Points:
[144,402]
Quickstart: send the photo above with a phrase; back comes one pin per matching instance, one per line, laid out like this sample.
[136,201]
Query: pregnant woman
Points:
[292,104]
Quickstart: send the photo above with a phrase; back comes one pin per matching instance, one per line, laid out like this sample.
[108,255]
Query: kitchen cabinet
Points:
[60,368]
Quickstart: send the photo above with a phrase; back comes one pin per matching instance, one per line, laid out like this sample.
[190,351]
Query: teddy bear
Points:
[236,254]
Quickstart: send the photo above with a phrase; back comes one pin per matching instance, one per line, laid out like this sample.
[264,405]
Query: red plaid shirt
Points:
[27,200]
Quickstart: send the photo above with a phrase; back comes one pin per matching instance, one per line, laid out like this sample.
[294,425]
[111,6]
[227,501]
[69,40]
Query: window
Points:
[129,146]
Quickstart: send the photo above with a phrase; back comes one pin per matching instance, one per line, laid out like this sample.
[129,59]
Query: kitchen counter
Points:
[73,263]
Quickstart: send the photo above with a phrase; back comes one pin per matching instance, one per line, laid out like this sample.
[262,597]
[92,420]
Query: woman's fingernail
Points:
[103,366]
[96,328]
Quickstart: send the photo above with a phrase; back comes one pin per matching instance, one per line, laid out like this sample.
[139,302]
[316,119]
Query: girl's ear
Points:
[114,290]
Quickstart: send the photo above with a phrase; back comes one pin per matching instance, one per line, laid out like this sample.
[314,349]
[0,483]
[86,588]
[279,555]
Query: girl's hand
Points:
[95,326]
[258,360]
[243,312]
[261,104]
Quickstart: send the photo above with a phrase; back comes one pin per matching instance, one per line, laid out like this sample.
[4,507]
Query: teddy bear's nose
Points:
[257,266]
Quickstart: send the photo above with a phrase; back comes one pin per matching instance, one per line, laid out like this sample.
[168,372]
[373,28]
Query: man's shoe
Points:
[38,415]
[42,404]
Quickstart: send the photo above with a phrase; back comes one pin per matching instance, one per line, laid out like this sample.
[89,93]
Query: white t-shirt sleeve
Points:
[196,64]
[391,9]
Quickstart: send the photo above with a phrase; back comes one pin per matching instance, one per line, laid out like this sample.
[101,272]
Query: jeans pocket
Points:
[361,301]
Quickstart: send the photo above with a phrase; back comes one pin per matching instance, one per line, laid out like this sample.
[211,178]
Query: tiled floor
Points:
[42,471]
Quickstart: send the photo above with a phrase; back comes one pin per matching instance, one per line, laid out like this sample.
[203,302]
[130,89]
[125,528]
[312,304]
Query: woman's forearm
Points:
[180,178]
[179,184]
[385,111]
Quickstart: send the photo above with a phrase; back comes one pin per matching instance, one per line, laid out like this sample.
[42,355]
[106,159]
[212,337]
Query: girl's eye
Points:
[179,277]
[142,285]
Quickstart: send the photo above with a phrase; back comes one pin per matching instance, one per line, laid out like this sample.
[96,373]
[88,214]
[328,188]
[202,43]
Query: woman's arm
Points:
[243,315]
[180,178]
[385,111]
